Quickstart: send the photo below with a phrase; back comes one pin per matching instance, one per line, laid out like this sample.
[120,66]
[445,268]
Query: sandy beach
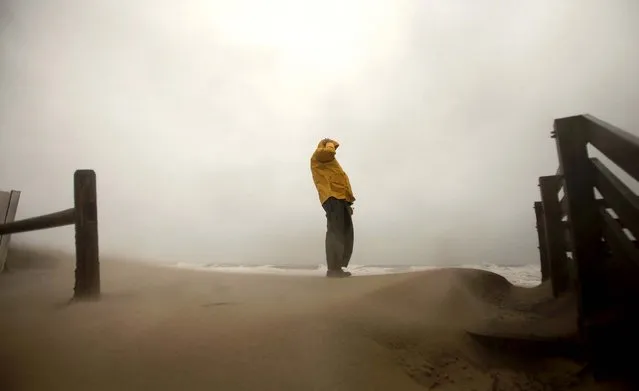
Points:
[158,328]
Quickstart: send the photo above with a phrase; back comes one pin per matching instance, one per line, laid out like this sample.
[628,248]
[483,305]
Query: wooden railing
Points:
[598,233]
[8,208]
[85,217]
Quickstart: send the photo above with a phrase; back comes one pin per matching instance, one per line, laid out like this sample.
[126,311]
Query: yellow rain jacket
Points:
[329,177]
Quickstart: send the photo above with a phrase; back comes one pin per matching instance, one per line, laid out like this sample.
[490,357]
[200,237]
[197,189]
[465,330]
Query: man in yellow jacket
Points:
[336,197]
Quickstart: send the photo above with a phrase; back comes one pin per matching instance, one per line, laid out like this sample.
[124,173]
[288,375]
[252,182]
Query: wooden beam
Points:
[567,236]
[87,282]
[52,220]
[9,216]
[541,237]
[583,214]
[554,231]
[564,204]
[622,247]
[618,196]
[618,145]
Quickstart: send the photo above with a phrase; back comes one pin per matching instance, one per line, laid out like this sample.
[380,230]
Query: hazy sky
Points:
[200,117]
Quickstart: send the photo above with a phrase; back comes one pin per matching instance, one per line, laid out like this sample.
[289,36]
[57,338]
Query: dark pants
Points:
[339,233]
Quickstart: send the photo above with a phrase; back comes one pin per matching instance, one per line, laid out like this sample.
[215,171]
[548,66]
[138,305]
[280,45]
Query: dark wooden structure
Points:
[8,208]
[599,233]
[84,216]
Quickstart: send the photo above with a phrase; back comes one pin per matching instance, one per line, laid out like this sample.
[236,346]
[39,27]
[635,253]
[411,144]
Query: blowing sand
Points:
[165,329]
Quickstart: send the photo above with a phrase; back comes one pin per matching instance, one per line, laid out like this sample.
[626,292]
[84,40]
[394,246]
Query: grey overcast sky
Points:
[200,117]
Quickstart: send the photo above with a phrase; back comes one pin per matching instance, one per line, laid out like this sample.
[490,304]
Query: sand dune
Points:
[164,329]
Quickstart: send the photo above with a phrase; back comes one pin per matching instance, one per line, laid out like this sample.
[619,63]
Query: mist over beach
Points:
[200,118]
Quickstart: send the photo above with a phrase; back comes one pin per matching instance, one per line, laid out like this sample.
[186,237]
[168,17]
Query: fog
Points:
[200,118]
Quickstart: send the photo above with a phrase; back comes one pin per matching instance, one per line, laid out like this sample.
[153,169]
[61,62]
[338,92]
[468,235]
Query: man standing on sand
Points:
[337,198]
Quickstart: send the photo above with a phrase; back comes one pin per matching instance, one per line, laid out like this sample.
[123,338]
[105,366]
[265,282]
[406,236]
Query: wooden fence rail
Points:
[600,234]
[85,217]
[57,219]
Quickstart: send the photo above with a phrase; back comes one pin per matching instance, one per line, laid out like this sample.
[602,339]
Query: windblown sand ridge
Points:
[165,329]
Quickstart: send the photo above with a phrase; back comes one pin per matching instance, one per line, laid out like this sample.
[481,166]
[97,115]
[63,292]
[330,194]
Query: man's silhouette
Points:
[337,198]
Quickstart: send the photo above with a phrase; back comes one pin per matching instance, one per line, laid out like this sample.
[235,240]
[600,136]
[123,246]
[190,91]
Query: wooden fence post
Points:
[554,230]
[11,209]
[541,236]
[87,273]
[572,139]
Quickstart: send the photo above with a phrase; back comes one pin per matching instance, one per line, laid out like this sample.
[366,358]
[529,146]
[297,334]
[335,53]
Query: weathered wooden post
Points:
[571,136]
[8,215]
[554,230]
[87,273]
[541,237]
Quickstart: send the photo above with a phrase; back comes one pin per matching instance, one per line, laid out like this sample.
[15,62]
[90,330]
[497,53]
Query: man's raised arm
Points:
[325,151]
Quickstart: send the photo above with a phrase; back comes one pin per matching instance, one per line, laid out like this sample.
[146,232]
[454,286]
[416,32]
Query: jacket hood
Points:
[322,143]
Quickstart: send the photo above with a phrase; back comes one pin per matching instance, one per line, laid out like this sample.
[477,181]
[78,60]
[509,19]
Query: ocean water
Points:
[528,275]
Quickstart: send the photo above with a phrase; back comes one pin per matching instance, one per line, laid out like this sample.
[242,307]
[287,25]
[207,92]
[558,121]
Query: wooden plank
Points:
[541,237]
[581,205]
[567,237]
[9,216]
[620,244]
[564,204]
[52,220]
[5,196]
[87,273]
[554,231]
[583,213]
[618,145]
[618,196]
